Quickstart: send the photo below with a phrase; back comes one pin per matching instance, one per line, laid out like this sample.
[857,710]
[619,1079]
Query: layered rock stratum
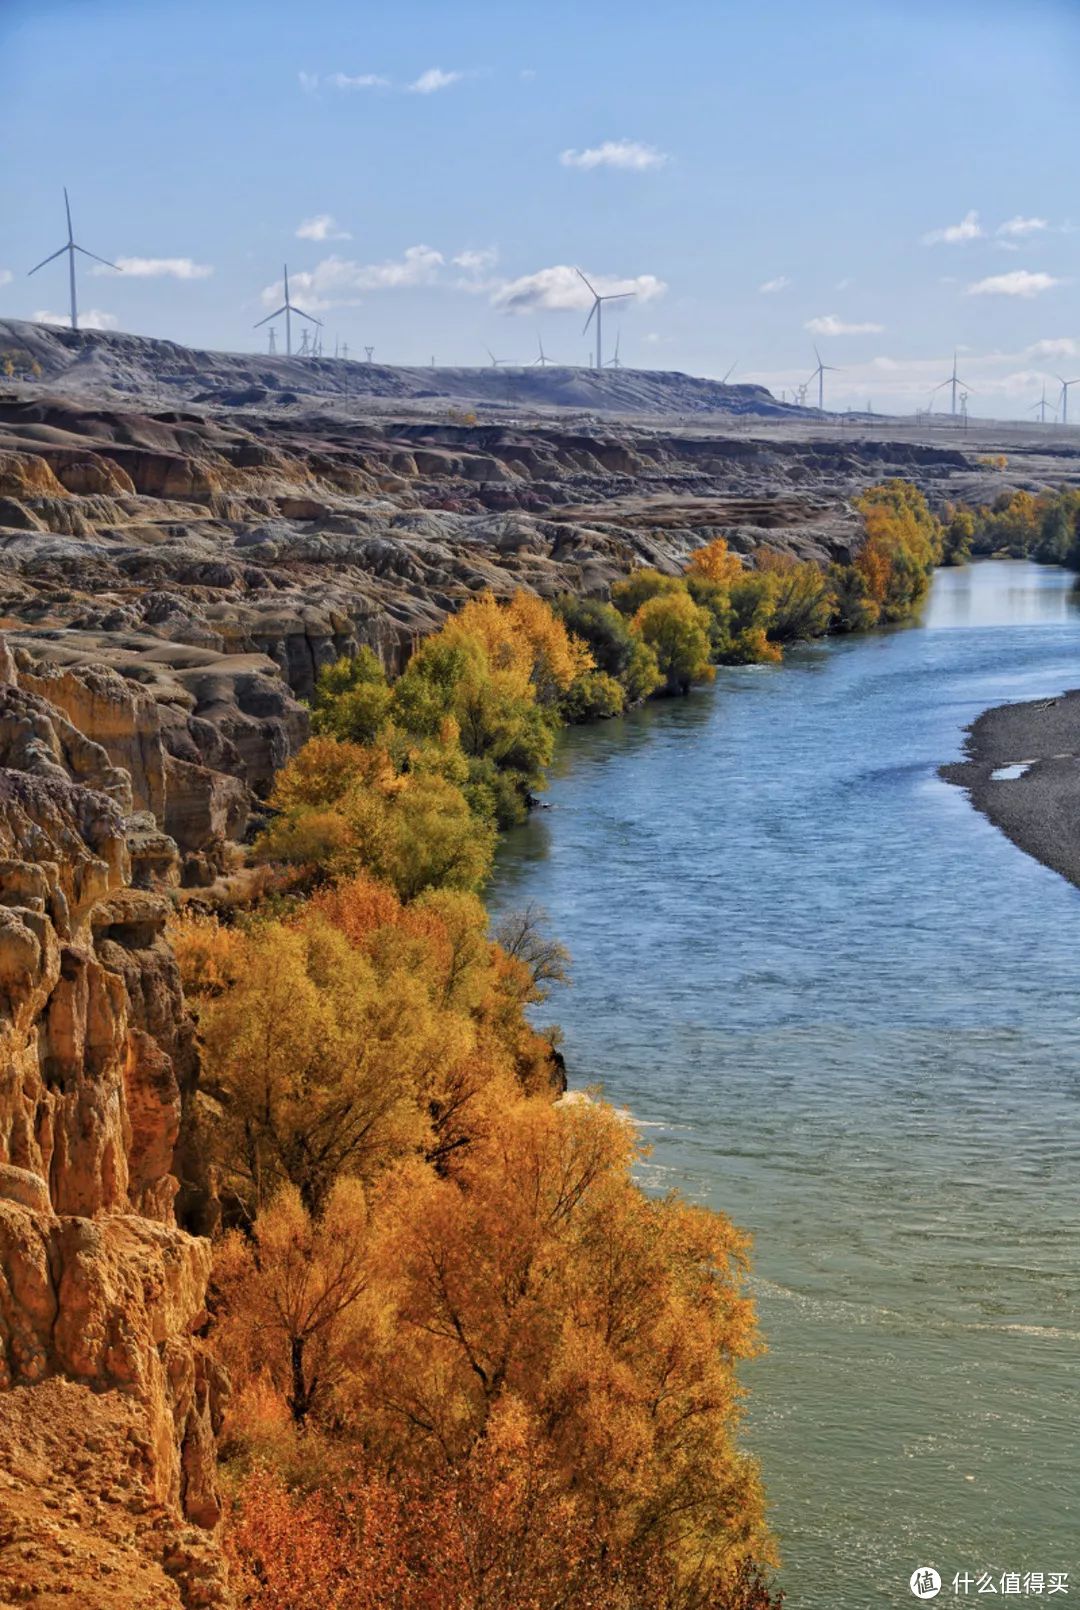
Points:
[108,1399]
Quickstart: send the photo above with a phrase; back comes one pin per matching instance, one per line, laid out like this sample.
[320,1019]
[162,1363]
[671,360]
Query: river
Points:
[847,1009]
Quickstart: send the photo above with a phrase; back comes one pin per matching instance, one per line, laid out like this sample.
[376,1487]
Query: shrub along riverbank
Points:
[1044,527]
[473,1363]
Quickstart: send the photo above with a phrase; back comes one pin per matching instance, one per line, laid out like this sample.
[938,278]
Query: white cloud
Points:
[337,282]
[434,79]
[559,289]
[6,276]
[1020,282]
[356,81]
[476,262]
[158,268]
[653,338]
[1060,347]
[1020,227]
[770,287]
[322,227]
[628,154]
[309,82]
[844,285]
[91,318]
[968,228]
[829,324]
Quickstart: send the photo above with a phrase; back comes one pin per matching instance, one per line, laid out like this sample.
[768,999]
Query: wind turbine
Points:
[616,361]
[955,382]
[289,308]
[71,248]
[1042,405]
[543,360]
[1065,384]
[496,363]
[819,374]
[597,310]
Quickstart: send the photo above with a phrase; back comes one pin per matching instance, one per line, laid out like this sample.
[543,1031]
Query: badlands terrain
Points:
[185,539]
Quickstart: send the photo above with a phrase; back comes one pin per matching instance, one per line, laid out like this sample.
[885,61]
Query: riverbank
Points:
[1038,806]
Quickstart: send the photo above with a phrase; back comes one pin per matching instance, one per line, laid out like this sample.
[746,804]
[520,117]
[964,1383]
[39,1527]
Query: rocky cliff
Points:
[108,1400]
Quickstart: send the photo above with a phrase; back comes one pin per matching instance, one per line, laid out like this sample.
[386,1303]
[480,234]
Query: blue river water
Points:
[847,1011]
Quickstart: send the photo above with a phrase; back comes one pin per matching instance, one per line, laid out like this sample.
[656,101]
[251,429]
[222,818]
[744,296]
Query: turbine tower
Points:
[272,348]
[597,311]
[71,248]
[289,308]
[1065,385]
[955,382]
[819,374]
[1042,405]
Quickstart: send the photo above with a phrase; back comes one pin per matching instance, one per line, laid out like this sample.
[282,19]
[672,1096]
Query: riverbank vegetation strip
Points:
[473,1363]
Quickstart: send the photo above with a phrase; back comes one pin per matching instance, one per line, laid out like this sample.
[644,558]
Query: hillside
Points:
[90,361]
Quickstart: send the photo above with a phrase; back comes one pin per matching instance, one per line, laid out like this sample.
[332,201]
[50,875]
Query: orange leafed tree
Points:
[715,562]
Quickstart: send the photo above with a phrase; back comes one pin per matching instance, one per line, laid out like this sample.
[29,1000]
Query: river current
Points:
[847,1011]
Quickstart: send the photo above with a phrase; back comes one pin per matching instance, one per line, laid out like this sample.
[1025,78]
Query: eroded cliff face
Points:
[108,1399]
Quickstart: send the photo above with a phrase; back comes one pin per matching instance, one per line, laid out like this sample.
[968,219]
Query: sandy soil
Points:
[1040,809]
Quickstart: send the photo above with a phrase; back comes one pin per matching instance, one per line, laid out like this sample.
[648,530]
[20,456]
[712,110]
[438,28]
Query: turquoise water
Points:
[849,1012]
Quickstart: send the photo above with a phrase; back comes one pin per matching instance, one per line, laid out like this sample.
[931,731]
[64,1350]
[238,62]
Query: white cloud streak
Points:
[630,155]
[323,226]
[771,287]
[434,79]
[558,289]
[338,282]
[969,228]
[158,268]
[829,324]
[1020,228]
[91,318]
[1020,282]
[356,81]
[6,276]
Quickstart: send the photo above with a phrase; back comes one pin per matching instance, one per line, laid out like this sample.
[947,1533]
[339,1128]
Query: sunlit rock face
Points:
[101,1294]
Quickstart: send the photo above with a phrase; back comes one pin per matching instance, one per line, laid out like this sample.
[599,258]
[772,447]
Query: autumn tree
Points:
[620,655]
[715,562]
[343,808]
[537,1271]
[801,598]
[289,1291]
[639,587]
[677,631]
[352,698]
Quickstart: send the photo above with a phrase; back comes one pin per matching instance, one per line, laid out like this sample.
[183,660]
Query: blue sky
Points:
[889,180]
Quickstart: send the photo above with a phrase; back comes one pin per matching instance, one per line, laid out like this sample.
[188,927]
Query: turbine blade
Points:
[67,209]
[96,258]
[589,320]
[581,276]
[46,260]
[616,296]
[309,316]
[268,317]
